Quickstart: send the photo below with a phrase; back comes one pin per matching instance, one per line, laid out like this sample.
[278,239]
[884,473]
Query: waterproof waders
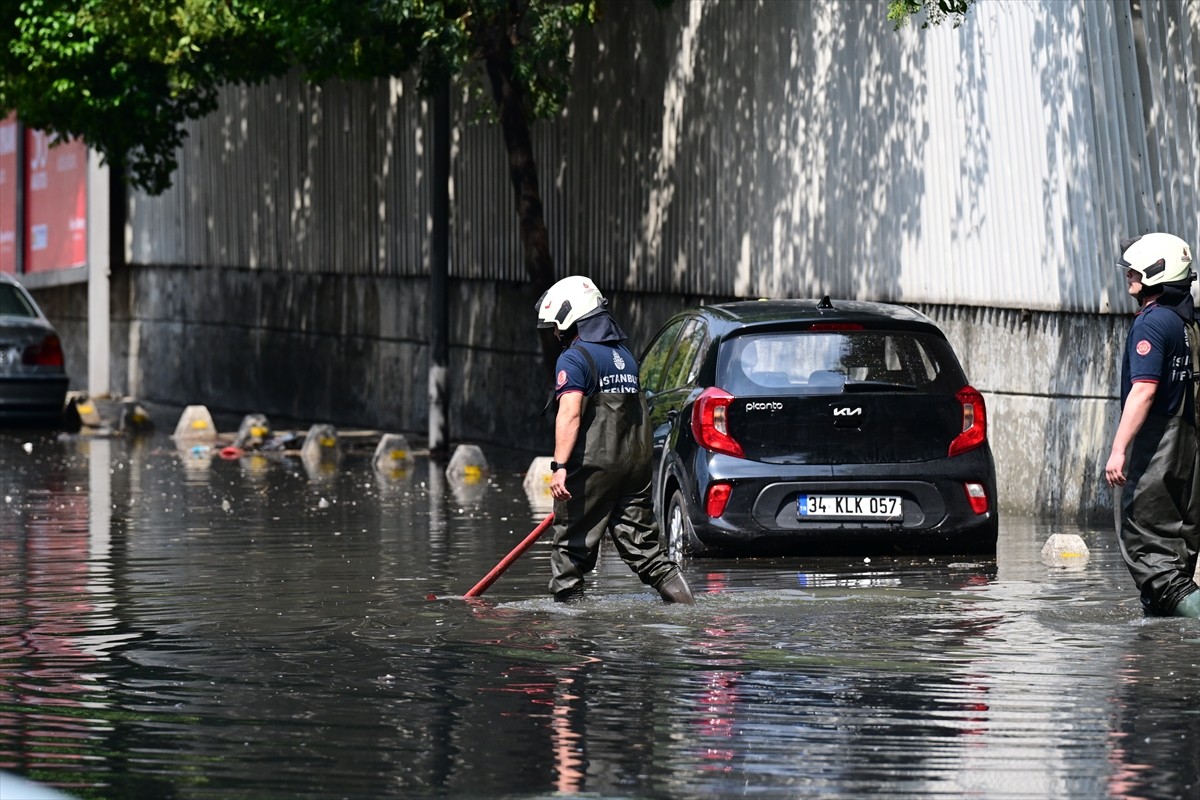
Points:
[608,476]
[1159,534]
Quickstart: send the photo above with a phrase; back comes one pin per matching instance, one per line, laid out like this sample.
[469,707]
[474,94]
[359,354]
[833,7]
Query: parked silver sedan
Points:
[33,375]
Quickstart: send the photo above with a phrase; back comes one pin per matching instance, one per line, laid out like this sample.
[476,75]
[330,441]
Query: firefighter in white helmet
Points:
[1154,451]
[602,449]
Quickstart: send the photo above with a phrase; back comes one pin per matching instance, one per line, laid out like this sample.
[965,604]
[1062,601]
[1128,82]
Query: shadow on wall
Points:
[742,149]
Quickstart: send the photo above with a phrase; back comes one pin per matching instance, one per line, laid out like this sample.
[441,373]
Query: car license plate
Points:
[836,506]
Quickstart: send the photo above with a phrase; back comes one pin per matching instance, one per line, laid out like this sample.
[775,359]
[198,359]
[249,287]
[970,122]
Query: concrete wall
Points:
[1050,383]
[352,351]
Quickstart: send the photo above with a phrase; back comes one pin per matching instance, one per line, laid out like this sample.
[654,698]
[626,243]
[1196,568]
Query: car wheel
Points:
[681,539]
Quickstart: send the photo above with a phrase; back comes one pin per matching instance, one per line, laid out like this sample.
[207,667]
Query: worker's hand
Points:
[1114,470]
[558,485]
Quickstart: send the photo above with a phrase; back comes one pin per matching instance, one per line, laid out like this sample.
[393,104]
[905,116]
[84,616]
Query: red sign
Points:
[55,203]
[8,194]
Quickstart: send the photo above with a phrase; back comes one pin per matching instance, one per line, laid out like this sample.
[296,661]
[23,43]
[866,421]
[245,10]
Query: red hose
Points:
[507,561]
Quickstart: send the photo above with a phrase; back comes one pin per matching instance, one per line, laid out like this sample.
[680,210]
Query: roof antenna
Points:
[825,304]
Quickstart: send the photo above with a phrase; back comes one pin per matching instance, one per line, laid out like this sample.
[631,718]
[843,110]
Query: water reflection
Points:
[58,624]
[242,630]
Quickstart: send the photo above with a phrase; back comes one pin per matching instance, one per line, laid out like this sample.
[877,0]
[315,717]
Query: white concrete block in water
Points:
[538,475]
[393,452]
[195,425]
[321,452]
[86,409]
[467,474]
[467,464]
[253,432]
[134,418]
[1066,550]
[393,457]
[537,485]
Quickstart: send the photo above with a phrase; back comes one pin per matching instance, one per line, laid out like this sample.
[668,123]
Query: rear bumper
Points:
[976,534]
[936,513]
[32,397]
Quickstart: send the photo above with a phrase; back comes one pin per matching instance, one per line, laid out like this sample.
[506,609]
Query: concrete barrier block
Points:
[537,485]
[1065,550]
[393,458]
[393,450]
[253,432]
[134,418]
[195,425]
[321,444]
[467,464]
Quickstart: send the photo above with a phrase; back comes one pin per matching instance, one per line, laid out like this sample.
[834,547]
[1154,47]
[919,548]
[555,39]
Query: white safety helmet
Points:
[1158,257]
[569,301]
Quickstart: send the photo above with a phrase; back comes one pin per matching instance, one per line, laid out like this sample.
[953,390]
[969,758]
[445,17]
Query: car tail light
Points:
[717,498]
[47,354]
[974,422]
[977,497]
[710,422]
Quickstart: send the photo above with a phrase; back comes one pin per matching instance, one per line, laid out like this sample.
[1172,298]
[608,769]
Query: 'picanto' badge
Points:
[1143,347]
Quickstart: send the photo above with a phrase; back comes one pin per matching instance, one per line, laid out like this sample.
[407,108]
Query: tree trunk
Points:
[509,96]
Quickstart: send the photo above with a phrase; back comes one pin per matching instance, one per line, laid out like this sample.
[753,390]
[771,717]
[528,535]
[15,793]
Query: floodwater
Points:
[179,625]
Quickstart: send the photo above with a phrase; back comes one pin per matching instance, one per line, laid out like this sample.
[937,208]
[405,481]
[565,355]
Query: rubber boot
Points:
[675,590]
[571,595]
[1188,607]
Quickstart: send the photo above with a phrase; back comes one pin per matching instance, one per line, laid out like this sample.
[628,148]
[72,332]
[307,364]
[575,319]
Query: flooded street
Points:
[174,624]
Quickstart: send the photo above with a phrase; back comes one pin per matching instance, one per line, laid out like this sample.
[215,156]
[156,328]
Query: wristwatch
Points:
[555,466]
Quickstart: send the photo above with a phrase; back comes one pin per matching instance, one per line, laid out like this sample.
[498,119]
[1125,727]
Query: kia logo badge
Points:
[846,411]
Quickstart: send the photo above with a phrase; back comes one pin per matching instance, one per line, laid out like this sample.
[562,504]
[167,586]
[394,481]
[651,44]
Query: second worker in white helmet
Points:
[602,466]
[1154,451]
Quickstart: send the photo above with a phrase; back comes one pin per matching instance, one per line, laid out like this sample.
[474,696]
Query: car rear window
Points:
[809,362]
[13,302]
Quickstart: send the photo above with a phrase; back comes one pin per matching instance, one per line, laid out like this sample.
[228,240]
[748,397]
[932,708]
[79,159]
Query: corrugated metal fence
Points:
[744,148]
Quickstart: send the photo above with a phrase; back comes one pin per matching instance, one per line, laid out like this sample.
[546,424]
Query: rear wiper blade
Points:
[877,386]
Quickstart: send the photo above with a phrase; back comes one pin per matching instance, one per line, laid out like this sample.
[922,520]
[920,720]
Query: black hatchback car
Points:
[816,426]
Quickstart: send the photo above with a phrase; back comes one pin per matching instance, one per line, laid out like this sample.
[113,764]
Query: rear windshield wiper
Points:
[877,386]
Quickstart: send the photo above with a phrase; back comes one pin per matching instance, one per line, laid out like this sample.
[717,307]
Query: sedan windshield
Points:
[804,362]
